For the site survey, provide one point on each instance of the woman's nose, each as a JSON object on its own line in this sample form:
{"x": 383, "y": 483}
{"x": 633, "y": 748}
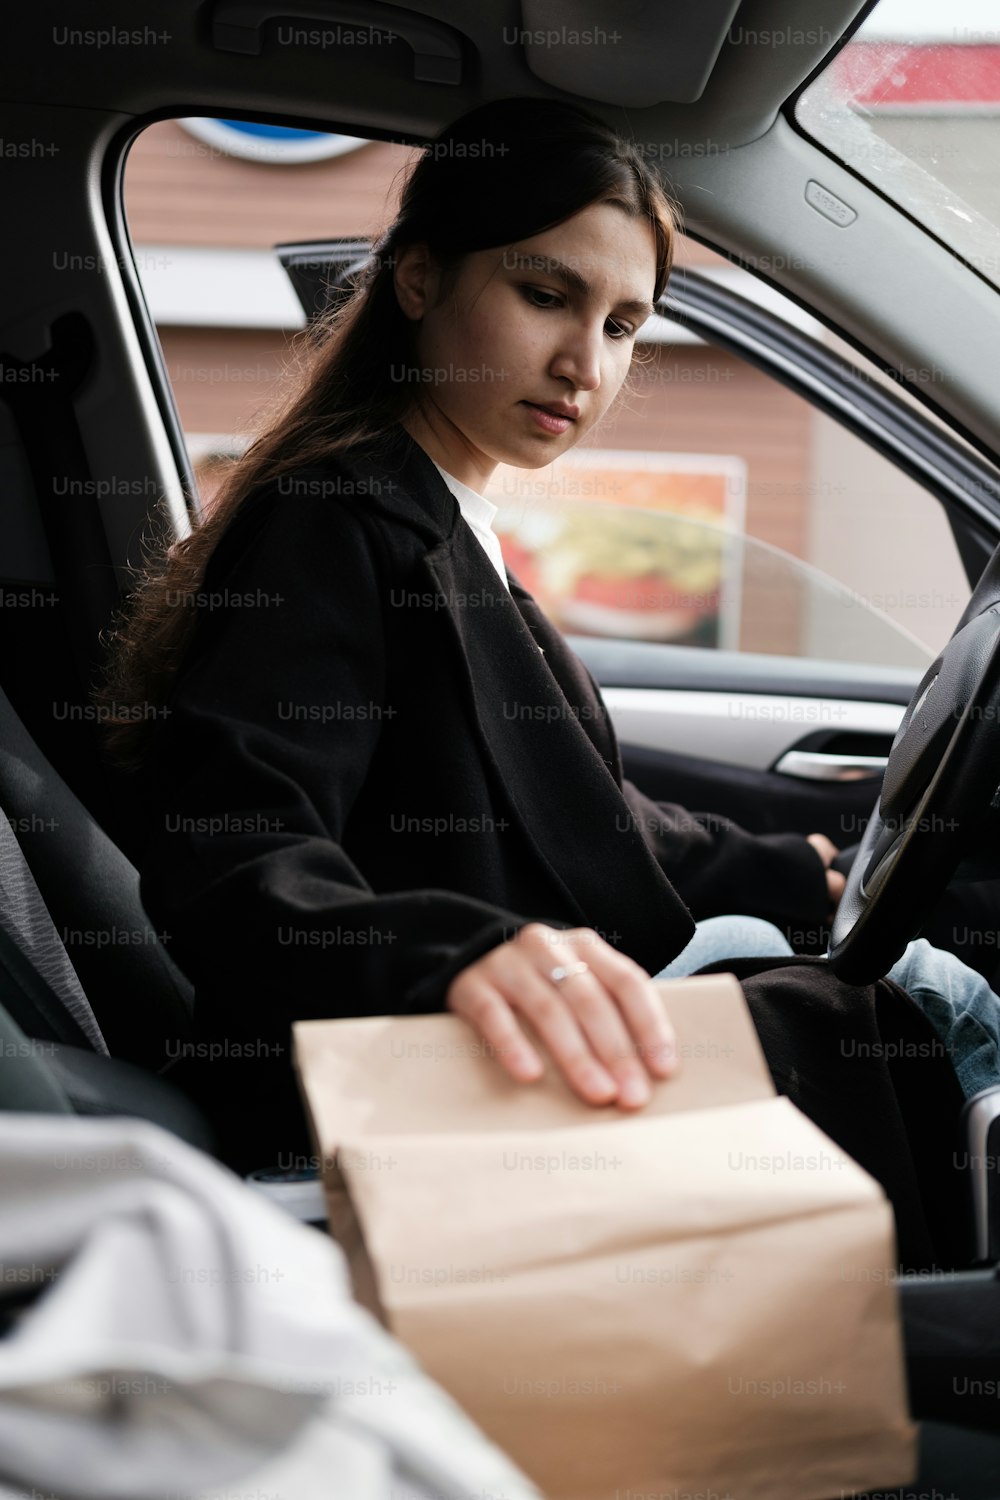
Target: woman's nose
{"x": 578, "y": 359}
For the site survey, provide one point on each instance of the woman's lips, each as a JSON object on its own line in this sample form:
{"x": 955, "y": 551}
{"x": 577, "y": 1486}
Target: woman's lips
{"x": 547, "y": 420}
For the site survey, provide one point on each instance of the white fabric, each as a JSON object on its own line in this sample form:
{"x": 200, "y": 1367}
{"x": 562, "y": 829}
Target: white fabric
{"x": 190, "y": 1339}
{"x": 479, "y": 513}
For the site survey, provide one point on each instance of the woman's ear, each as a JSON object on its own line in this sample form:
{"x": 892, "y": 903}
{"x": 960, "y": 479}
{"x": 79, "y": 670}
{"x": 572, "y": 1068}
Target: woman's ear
{"x": 412, "y": 276}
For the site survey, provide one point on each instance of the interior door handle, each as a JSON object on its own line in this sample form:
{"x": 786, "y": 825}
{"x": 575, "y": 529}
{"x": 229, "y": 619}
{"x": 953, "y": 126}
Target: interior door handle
{"x": 814, "y": 765}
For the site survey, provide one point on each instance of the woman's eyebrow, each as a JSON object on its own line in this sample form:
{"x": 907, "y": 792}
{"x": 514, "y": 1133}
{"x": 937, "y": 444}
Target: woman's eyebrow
{"x": 639, "y": 306}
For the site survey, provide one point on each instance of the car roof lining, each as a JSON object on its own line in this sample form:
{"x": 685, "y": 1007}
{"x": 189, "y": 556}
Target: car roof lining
{"x": 691, "y": 58}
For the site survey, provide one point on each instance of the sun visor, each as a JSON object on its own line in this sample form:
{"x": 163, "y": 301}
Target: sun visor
{"x": 637, "y": 54}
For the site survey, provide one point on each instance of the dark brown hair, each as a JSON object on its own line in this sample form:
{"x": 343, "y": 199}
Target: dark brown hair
{"x": 500, "y": 174}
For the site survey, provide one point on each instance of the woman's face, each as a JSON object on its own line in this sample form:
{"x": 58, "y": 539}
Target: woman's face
{"x": 515, "y": 335}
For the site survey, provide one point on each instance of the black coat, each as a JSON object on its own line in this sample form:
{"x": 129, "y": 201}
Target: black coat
{"x": 376, "y": 764}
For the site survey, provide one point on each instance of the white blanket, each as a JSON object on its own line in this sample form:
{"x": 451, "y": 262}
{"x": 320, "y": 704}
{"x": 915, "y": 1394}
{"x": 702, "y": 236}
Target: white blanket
{"x": 190, "y": 1341}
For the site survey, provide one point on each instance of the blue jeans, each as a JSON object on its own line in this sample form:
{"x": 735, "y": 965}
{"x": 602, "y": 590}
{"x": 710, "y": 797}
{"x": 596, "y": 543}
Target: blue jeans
{"x": 961, "y": 1007}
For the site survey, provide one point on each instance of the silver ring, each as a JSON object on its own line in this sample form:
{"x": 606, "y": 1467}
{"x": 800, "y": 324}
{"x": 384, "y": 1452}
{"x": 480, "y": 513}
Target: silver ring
{"x": 566, "y": 971}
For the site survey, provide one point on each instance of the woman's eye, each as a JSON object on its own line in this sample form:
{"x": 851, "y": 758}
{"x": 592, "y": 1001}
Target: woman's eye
{"x": 539, "y": 297}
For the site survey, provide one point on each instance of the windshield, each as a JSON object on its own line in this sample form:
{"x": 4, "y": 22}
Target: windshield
{"x": 911, "y": 105}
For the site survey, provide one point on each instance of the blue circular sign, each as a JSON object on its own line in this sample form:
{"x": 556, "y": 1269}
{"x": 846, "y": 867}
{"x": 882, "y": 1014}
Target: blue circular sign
{"x": 277, "y": 145}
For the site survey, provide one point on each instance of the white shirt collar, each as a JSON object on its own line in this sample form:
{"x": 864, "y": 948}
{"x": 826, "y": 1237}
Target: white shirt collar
{"x": 475, "y": 507}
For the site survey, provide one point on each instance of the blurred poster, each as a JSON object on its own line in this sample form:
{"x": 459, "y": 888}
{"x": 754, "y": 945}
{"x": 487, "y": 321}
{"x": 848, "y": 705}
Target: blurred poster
{"x": 643, "y": 546}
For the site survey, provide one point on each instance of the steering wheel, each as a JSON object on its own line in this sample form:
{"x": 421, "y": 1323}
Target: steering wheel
{"x": 940, "y": 797}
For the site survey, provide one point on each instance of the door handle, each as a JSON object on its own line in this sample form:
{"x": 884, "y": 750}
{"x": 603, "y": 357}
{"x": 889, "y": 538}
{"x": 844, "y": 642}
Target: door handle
{"x": 814, "y": 765}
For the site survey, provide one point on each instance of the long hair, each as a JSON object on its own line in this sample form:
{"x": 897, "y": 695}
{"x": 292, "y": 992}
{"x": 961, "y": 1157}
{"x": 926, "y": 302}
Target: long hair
{"x": 503, "y": 172}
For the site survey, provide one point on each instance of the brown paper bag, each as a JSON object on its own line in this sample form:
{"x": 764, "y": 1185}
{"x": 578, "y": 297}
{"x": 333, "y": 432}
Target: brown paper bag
{"x": 695, "y": 1299}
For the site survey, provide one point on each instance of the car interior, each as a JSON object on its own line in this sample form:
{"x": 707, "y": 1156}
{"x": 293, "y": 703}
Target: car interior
{"x": 91, "y": 442}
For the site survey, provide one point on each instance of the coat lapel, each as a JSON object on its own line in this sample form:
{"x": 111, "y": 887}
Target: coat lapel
{"x": 541, "y": 727}
{"x": 530, "y": 722}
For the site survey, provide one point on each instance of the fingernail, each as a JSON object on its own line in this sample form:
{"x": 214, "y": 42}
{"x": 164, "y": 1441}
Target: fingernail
{"x": 634, "y": 1091}
{"x": 526, "y": 1063}
{"x": 598, "y": 1078}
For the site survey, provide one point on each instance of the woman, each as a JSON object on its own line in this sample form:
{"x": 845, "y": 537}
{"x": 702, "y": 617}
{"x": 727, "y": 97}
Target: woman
{"x": 378, "y": 779}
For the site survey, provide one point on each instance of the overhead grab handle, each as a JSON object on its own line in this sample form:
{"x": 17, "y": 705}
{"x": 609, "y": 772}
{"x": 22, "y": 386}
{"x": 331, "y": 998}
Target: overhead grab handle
{"x": 237, "y": 26}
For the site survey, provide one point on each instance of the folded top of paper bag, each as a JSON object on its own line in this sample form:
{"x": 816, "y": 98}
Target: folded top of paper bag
{"x": 400, "y": 1073}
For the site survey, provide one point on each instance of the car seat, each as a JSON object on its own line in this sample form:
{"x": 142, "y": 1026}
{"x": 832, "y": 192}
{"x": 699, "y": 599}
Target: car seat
{"x": 92, "y": 1008}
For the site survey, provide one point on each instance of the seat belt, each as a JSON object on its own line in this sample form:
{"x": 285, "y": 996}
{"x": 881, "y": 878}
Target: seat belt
{"x": 37, "y": 980}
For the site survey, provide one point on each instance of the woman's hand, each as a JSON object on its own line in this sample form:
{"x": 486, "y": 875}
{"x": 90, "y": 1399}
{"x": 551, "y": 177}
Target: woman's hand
{"x": 835, "y": 882}
{"x": 604, "y": 1028}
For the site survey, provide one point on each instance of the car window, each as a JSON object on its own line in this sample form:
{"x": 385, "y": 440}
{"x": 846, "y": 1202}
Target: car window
{"x": 205, "y": 203}
{"x": 713, "y": 507}
{"x": 718, "y": 508}
{"x": 636, "y": 573}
